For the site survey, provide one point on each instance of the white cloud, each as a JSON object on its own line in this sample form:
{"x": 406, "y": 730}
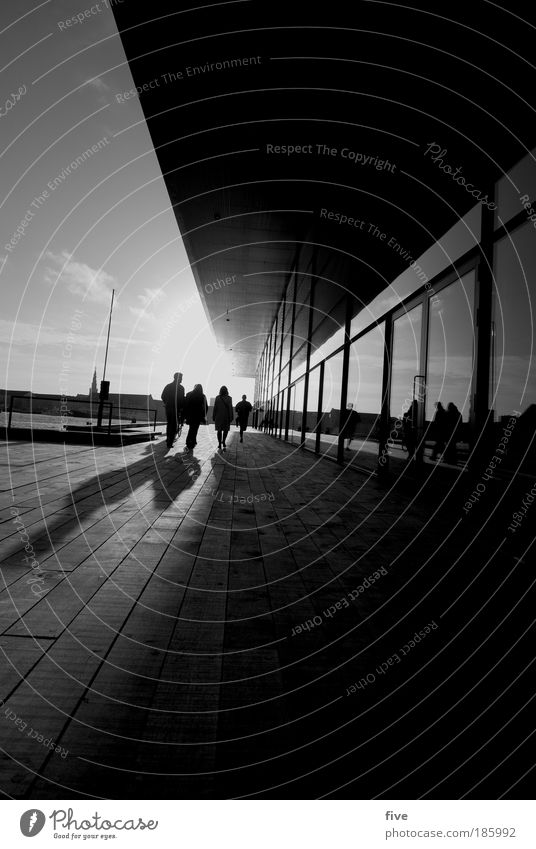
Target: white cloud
{"x": 149, "y": 298}
{"x": 22, "y": 333}
{"x": 79, "y": 278}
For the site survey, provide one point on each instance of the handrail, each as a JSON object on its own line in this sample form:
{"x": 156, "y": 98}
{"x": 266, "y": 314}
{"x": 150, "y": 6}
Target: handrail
{"x": 87, "y": 401}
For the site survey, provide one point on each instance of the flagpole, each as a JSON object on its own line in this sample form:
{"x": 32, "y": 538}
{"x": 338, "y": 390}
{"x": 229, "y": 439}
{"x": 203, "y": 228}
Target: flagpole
{"x": 103, "y": 394}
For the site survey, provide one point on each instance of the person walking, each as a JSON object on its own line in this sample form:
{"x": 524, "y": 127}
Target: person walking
{"x": 195, "y": 414}
{"x": 243, "y": 409}
{"x": 173, "y": 398}
{"x": 222, "y": 415}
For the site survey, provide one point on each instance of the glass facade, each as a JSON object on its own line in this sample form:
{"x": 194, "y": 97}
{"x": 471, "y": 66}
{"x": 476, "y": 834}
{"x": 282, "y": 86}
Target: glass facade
{"x": 414, "y": 353}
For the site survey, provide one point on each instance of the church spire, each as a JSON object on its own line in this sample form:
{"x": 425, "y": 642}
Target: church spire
{"x": 93, "y": 390}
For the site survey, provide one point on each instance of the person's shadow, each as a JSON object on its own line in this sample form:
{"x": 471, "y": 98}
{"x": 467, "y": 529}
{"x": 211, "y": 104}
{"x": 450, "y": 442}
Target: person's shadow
{"x": 89, "y": 513}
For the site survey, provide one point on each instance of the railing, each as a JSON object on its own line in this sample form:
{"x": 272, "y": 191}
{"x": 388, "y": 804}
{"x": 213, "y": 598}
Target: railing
{"x": 65, "y": 416}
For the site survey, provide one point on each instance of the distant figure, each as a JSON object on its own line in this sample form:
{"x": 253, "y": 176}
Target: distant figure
{"x": 195, "y": 413}
{"x": 453, "y": 421}
{"x": 439, "y": 430}
{"x": 410, "y": 420}
{"x": 173, "y": 398}
{"x": 243, "y": 408}
{"x": 222, "y": 415}
{"x": 349, "y": 424}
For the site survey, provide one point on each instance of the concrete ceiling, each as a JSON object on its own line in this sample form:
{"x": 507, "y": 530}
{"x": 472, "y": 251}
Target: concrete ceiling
{"x": 379, "y": 80}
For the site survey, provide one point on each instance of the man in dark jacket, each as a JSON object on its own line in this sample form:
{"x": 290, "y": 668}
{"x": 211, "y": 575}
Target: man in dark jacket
{"x": 243, "y": 409}
{"x": 173, "y": 398}
{"x": 195, "y": 413}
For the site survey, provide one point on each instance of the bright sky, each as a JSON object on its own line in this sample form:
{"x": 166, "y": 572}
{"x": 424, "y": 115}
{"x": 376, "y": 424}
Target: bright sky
{"x": 105, "y": 223}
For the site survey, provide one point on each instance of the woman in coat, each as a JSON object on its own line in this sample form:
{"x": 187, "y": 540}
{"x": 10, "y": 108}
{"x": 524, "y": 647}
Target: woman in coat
{"x": 222, "y": 415}
{"x": 195, "y": 413}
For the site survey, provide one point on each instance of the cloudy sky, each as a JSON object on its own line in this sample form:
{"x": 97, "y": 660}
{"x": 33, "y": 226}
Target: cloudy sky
{"x": 84, "y": 210}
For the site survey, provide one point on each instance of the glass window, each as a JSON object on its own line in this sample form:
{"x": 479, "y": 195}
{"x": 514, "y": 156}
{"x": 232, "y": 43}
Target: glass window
{"x": 406, "y": 360}
{"x": 284, "y": 377}
{"x": 513, "y": 361}
{"x": 301, "y": 321}
{"x": 286, "y": 348}
{"x": 312, "y": 408}
{"x": 451, "y": 347}
{"x": 289, "y": 306}
{"x": 331, "y": 405}
{"x": 282, "y": 413}
{"x": 364, "y": 397}
{"x": 296, "y": 411}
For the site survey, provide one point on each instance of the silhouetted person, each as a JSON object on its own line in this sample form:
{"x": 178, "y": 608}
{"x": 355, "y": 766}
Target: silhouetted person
{"x": 222, "y": 415}
{"x": 410, "y": 420}
{"x": 195, "y": 414}
{"x": 243, "y": 408}
{"x": 349, "y": 424}
{"x": 453, "y": 421}
{"x": 440, "y": 430}
{"x": 173, "y": 398}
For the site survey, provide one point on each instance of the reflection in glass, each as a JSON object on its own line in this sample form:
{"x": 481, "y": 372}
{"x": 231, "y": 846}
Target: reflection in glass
{"x": 451, "y": 347}
{"x": 331, "y": 404}
{"x": 282, "y": 414}
{"x": 406, "y": 360}
{"x": 296, "y": 411}
{"x": 365, "y": 375}
{"x": 312, "y": 408}
{"x": 514, "y": 362}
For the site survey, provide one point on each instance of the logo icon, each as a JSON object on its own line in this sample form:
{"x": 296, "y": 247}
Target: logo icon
{"x": 31, "y": 822}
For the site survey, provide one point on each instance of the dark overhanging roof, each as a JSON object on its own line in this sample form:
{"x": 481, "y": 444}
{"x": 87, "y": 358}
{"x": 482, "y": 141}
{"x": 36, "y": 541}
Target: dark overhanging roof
{"x": 376, "y": 79}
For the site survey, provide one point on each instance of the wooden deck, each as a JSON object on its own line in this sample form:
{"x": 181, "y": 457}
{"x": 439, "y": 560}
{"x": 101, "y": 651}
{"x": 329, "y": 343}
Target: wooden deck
{"x": 194, "y": 627}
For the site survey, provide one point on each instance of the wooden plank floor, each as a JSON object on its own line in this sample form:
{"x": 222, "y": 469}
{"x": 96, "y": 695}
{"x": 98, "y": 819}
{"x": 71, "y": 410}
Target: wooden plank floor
{"x": 164, "y": 654}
